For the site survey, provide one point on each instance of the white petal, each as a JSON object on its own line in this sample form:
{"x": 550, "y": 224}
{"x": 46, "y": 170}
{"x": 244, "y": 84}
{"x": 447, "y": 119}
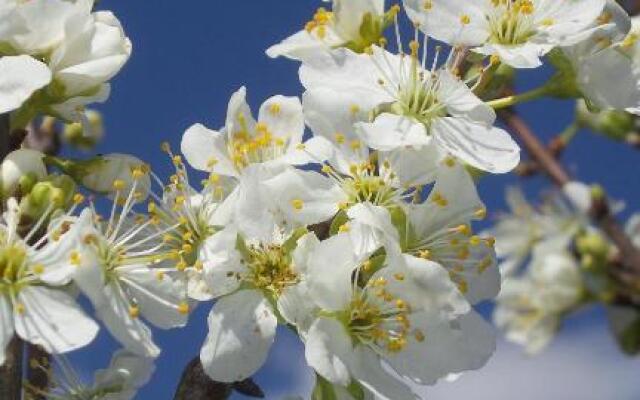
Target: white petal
{"x": 222, "y": 262}
{"x": 158, "y": 298}
{"x": 329, "y": 351}
{"x": 295, "y": 307}
{"x": 329, "y": 273}
{"x": 390, "y": 132}
{"x": 371, "y": 228}
{"x": 526, "y": 55}
{"x": 449, "y": 347}
{"x": 53, "y": 320}
{"x": 206, "y": 150}
{"x": 242, "y": 328}
{"x": 6, "y": 325}
{"x": 461, "y": 101}
{"x": 239, "y": 116}
{"x": 305, "y": 197}
{"x": 345, "y": 71}
{"x": 442, "y": 20}
{"x": 369, "y": 372}
{"x": 283, "y": 118}
{"x": 413, "y": 166}
{"x": 486, "y": 148}
{"x": 303, "y": 45}
{"x": 20, "y": 76}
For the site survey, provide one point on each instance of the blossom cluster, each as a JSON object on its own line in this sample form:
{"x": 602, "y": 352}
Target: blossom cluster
{"x": 344, "y": 215}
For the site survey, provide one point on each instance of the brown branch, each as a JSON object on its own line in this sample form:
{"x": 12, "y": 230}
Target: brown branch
{"x": 600, "y": 210}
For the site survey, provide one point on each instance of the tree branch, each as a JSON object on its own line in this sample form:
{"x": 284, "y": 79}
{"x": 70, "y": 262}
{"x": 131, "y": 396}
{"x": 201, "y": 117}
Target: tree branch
{"x": 600, "y": 209}
{"x": 196, "y": 385}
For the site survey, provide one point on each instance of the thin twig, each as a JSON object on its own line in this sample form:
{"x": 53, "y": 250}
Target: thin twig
{"x": 600, "y": 210}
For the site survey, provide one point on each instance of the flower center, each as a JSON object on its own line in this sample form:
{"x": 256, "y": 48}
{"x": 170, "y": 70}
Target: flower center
{"x": 380, "y": 320}
{"x": 366, "y": 185}
{"x": 270, "y": 268}
{"x": 247, "y": 148}
{"x": 511, "y": 21}
{"x": 12, "y": 264}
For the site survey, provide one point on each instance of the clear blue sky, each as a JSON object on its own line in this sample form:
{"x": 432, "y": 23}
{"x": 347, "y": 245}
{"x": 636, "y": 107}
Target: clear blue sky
{"x": 189, "y": 56}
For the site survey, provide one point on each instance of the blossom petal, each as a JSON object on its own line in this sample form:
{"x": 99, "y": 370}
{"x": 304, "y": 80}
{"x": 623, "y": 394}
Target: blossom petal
{"x": 305, "y": 197}
{"x": 443, "y": 20}
{"x": 20, "y": 76}
{"x": 158, "y": 296}
{"x": 222, "y": 262}
{"x": 206, "y": 150}
{"x": 283, "y": 118}
{"x": 329, "y": 273}
{"x": 490, "y": 149}
{"x": 242, "y": 328}
{"x": 369, "y": 372}
{"x": 52, "y": 319}
{"x": 328, "y": 350}
{"x": 390, "y": 132}
{"x": 6, "y": 325}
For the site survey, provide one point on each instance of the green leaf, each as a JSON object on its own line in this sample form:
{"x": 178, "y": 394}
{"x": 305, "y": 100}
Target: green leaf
{"x": 340, "y": 219}
{"x": 292, "y": 242}
{"x": 323, "y": 390}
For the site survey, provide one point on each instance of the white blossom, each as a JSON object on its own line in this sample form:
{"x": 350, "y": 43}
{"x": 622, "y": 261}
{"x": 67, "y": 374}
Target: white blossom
{"x": 520, "y": 32}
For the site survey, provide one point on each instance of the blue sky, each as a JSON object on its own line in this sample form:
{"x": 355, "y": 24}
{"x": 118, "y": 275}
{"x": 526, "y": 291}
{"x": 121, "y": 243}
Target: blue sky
{"x": 189, "y": 56}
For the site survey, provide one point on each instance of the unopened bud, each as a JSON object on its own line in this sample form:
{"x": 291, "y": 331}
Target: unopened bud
{"x": 614, "y": 124}
{"x": 18, "y": 164}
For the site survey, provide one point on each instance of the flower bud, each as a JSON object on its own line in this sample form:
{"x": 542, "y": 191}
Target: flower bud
{"x": 115, "y": 172}
{"x": 611, "y": 123}
{"x": 85, "y": 136}
{"x": 56, "y": 191}
{"x": 592, "y": 244}
{"x": 21, "y": 167}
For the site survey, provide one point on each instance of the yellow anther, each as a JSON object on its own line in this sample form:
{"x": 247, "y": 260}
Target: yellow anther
{"x": 177, "y": 160}
{"x": 394, "y": 9}
{"x": 379, "y": 282}
{"x": 166, "y": 147}
{"x": 137, "y": 173}
{"x": 463, "y": 286}
{"x": 119, "y": 184}
{"x": 399, "y": 276}
{"x": 214, "y": 178}
{"x": 134, "y": 311}
{"x": 183, "y": 308}
{"x": 74, "y": 258}
{"x": 485, "y": 264}
{"x": 198, "y": 265}
{"x": 344, "y": 228}
{"x": 19, "y": 307}
{"x": 274, "y": 108}
{"x": 464, "y": 253}
{"x": 494, "y": 59}
{"x": 78, "y": 198}
{"x": 179, "y": 200}
{"x": 297, "y": 204}
{"x": 326, "y": 169}
{"x": 355, "y": 145}
{"x": 187, "y": 248}
{"x": 160, "y": 275}
{"x": 300, "y": 146}
{"x": 261, "y": 127}
{"x": 367, "y": 265}
{"x": 419, "y": 335}
{"x": 474, "y": 240}
{"x": 480, "y": 213}
{"x": 382, "y": 42}
{"x": 463, "y": 229}
{"x": 491, "y": 241}
{"x": 38, "y": 269}
{"x": 450, "y": 162}
{"x": 427, "y": 5}
{"x": 425, "y": 254}
{"x": 354, "y": 109}
{"x": 465, "y": 19}
{"x": 548, "y": 22}
{"x": 340, "y": 138}
{"x": 181, "y": 265}
{"x": 414, "y": 45}
{"x": 212, "y": 162}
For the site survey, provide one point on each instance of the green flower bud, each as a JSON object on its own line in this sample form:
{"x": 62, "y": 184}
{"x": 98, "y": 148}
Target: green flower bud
{"x": 18, "y": 164}
{"x": 614, "y": 124}
{"x": 85, "y": 136}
